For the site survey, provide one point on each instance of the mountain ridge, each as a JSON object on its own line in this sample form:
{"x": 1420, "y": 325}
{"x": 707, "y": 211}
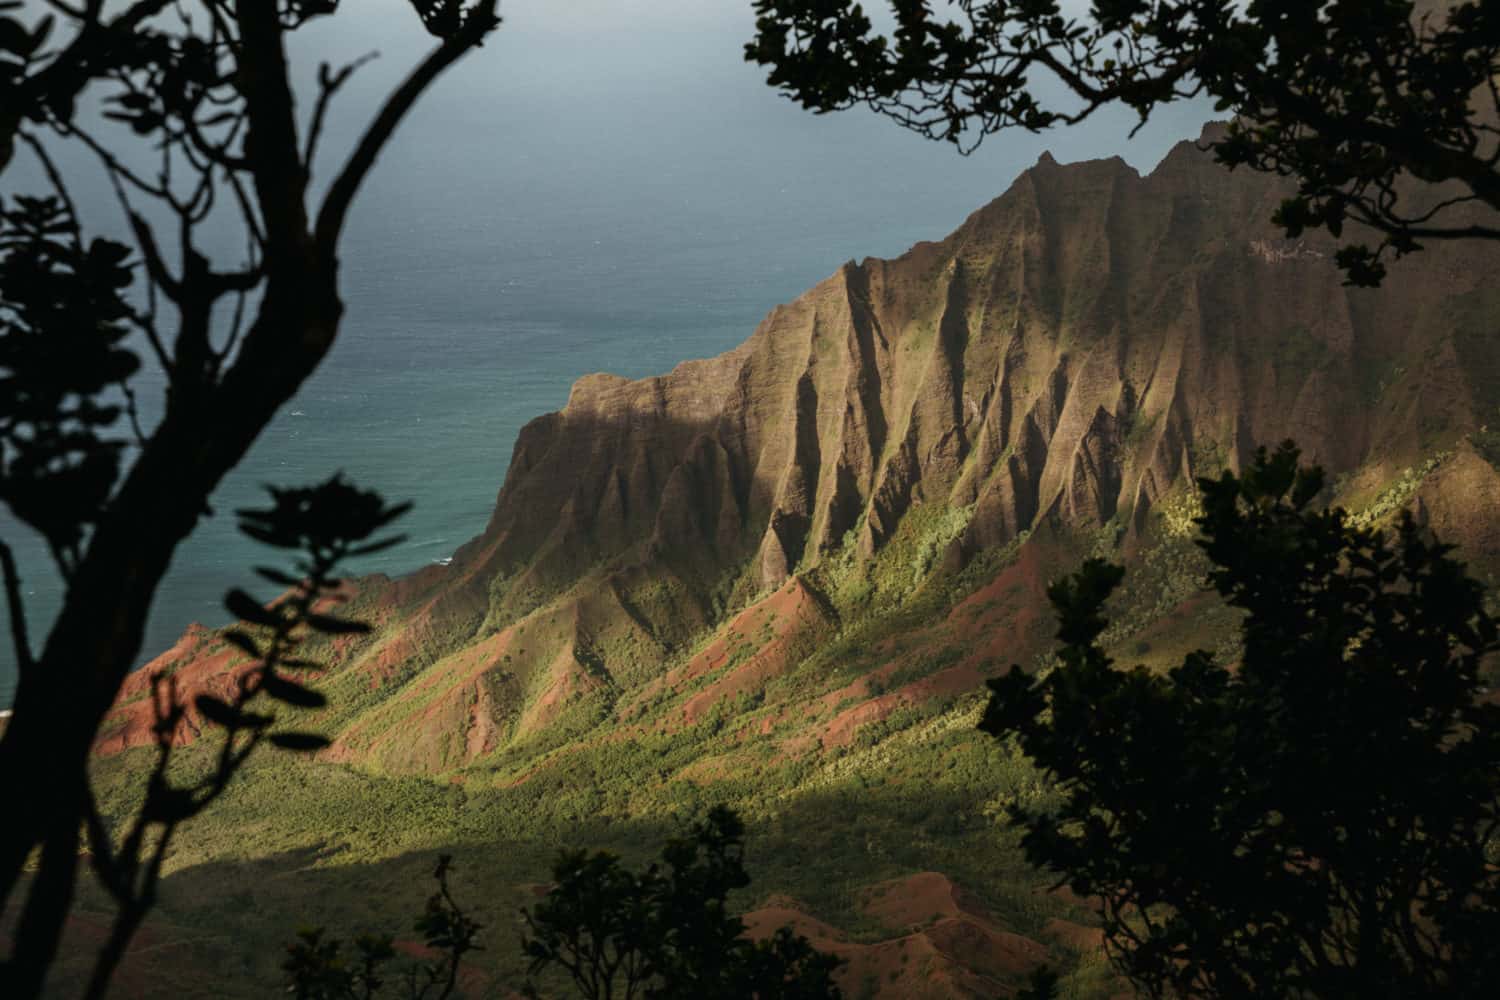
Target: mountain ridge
{"x": 1075, "y": 350}
{"x": 778, "y": 578}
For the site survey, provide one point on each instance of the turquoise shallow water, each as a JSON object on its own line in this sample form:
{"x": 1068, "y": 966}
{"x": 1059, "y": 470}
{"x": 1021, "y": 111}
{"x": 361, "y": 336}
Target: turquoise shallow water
{"x": 519, "y": 235}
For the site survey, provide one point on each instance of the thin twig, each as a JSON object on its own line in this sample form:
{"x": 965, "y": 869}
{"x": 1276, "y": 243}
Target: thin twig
{"x": 236, "y": 325}
{"x": 481, "y": 20}
{"x": 133, "y": 413}
{"x": 110, "y": 161}
{"x": 57, "y": 184}
{"x": 328, "y": 85}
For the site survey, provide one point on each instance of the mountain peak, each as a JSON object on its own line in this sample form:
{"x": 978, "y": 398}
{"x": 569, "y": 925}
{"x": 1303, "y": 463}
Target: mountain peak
{"x": 1064, "y": 363}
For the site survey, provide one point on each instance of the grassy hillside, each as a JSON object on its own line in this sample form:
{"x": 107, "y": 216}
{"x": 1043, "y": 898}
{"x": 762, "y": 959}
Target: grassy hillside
{"x": 853, "y": 756}
{"x": 778, "y": 579}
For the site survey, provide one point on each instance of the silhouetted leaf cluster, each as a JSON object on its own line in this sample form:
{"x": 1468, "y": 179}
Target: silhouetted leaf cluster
{"x": 62, "y": 321}
{"x": 1317, "y": 820}
{"x": 441, "y": 17}
{"x": 18, "y": 43}
{"x": 666, "y": 933}
{"x": 1346, "y": 96}
{"x": 327, "y": 524}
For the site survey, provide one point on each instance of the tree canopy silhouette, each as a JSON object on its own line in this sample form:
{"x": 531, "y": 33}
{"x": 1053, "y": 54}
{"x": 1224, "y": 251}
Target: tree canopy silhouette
{"x": 1346, "y": 96}
{"x": 666, "y": 933}
{"x": 205, "y": 127}
{"x": 1317, "y": 820}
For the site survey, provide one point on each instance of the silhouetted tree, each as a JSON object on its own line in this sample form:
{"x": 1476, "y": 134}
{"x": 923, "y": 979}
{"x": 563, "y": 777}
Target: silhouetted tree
{"x": 210, "y": 132}
{"x": 666, "y": 933}
{"x": 1317, "y": 820}
{"x": 316, "y": 969}
{"x": 1347, "y": 96}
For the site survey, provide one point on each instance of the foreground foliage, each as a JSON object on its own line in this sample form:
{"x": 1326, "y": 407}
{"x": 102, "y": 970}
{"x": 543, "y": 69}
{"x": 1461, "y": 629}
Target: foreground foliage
{"x": 188, "y": 112}
{"x": 1315, "y": 821}
{"x": 1348, "y": 96}
{"x": 317, "y": 968}
{"x": 666, "y": 933}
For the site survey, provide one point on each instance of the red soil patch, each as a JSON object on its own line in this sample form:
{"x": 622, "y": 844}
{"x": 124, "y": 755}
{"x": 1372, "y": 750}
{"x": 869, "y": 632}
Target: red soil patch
{"x": 957, "y": 924}
{"x": 330, "y": 602}
{"x": 183, "y": 651}
{"x": 953, "y": 950}
{"x": 860, "y": 687}
{"x": 856, "y": 690}
{"x": 917, "y": 900}
{"x": 132, "y": 722}
{"x": 569, "y": 679}
{"x": 1008, "y": 618}
{"x": 196, "y": 671}
{"x": 745, "y": 626}
{"x": 789, "y": 615}
{"x": 780, "y": 912}
{"x": 389, "y": 658}
{"x": 978, "y": 947}
{"x": 466, "y": 664}
{"x": 407, "y": 591}
{"x": 1001, "y": 622}
{"x": 461, "y": 708}
{"x": 482, "y": 735}
{"x": 417, "y": 602}
{"x": 955, "y": 680}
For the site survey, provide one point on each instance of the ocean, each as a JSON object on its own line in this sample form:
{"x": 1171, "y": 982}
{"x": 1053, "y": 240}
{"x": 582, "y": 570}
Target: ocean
{"x": 602, "y": 188}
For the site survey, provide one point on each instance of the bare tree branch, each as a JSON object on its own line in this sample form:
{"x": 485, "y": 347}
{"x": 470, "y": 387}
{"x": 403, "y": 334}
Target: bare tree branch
{"x": 481, "y": 20}
{"x": 329, "y": 83}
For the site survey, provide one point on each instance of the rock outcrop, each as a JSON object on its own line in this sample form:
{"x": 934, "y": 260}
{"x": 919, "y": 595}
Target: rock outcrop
{"x": 1071, "y": 351}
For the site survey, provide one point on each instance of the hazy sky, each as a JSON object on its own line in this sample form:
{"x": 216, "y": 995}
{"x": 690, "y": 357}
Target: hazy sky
{"x": 646, "y": 106}
{"x": 601, "y": 113}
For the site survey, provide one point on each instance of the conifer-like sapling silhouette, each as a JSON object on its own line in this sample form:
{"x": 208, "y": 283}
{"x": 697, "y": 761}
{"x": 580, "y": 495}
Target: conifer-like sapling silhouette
{"x": 666, "y": 933}
{"x": 1316, "y": 820}
{"x": 317, "y": 969}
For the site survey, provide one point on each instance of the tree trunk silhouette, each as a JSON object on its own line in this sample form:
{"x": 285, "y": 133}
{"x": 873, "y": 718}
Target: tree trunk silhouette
{"x": 211, "y": 420}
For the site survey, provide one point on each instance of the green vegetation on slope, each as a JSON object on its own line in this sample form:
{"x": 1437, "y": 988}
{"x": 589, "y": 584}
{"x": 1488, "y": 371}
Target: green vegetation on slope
{"x": 913, "y": 787}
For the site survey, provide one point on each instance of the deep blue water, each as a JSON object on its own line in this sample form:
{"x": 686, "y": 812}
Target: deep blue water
{"x": 604, "y": 188}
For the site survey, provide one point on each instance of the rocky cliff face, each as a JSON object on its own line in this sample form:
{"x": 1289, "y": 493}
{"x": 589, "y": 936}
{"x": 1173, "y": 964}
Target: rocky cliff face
{"x": 1073, "y": 353}
{"x": 1072, "y": 350}
{"x": 778, "y": 578}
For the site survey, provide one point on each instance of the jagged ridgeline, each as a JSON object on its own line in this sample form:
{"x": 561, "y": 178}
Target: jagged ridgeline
{"x": 915, "y": 446}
